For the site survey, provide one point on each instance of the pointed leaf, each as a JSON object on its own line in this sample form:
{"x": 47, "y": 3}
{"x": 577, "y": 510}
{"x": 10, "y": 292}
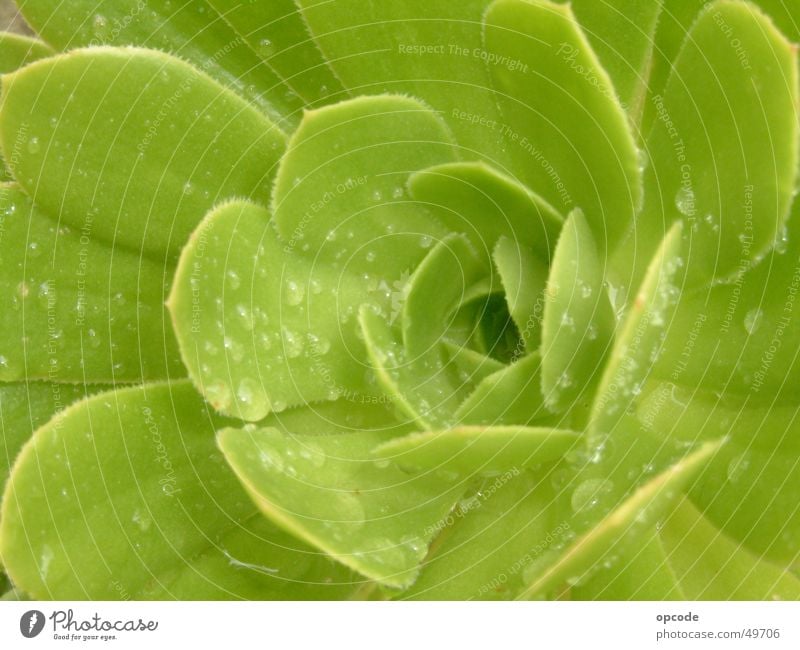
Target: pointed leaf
{"x": 572, "y": 136}
{"x": 491, "y": 540}
{"x": 331, "y": 492}
{"x": 277, "y": 33}
{"x": 435, "y": 290}
{"x": 711, "y": 566}
{"x": 423, "y": 48}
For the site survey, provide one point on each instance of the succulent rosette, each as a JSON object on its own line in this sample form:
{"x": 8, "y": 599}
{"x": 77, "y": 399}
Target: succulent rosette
{"x": 399, "y": 299}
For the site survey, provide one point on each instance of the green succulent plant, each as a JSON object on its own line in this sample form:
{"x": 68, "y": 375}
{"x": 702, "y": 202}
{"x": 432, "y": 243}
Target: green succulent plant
{"x": 400, "y": 299}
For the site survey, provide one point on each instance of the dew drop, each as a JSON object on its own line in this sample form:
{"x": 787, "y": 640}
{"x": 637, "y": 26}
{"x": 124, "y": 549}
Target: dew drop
{"x": 752, "y": 320}
{"x": 294, "y": 293}
{"x": 685, "y": 201}
{"x": 34, "y": 145}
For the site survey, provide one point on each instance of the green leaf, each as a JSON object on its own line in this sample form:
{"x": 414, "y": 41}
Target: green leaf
{"x": 191, "y": 29}
{"x": 79, "y": 309}
{"x": 277, "y": 33}
{"x": 636, "y": 515}
{"x": 426, "y": 389}
{"x": 524, "y": 278}
{"x": 435, "y": 290}
{"x": 637, "y": 569}
{"x": 570, "y": 134}
{"x": 741, "y": 337}
{"x": 484, "y": 204}
{"x": 710, "y": 566}
{"x": 622, "y": 32}
{"x": 750, "y": 494}
{"x": 333, "y": 493}
{"x": 24, "y": 407}
{"x": 490, "y": 541}
{"x": 511, "y": 396}
{"x": 471, "y": 365}
{"x": 431, "y": 49}
{"x": 730, "y": 179}
{"x": 578, "y": 324}
{"x": 125, "y": 495}
{"x": 339, "y": 194}
{"x": 260, "y": 327}
{"x": 17, "y": 50}
{"x": 133, "y": 144}
{"x": 469, "y": 450}
{"x": 640, "y": 335}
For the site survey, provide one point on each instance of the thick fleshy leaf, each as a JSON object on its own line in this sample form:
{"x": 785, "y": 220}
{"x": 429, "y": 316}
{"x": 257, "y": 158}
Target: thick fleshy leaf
{"x": 191, "y": 29}
{"x": 427, "y": 388}
{"x": 277, "y": 33}
{"x": 730, "y": 179}
{"x": 750, "y": 494}
{"x": 472, "y": 366}
{"x": 126, "y": 494}
{"x": 742, "y": 337}
{"x": 640, "y": 335}
{"x": 435, "y": 290}
{"x": 491, "y": 539}
{"x": 15, "y": 52}
{"x": 262, "y": 327}
{"x": 622, "y": 33}
{"x": 710, "y": 566}
{"x": 24, "y": 407}
{"x": 133, "y": 144}
{"x": 511, "y": 396}
{"x": 524, "y": 278}
{"x": 431, "y": 49}
{"x": 332, "y": 492}
{"x": 636, "y": 515}
{"x": 571, "y": 138}
{"x": 578, "y": 324}
{"x": 469, "y": 450}
{"x": 484, "y": 204}
{"x": 78, "y": 310}
{"x": 637, "y": 569}
{"x": 339, "y": 193}
{"x": 695, "y": 414}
